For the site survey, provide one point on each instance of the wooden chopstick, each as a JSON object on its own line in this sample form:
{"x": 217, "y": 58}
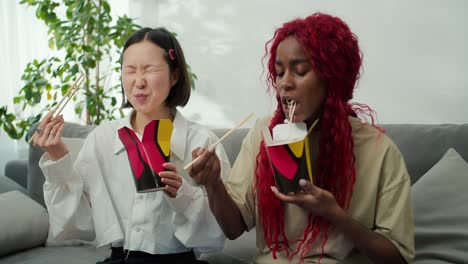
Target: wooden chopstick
{"x": 312, "y": 126}
{"x": 69, "y": 95}
{"x": 66, "y": 98}
{"x": 291, "y": 113}
{"x": 219, "y": 140}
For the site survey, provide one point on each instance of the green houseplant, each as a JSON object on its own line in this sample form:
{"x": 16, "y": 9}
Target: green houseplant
{"x": 89, "y": 42}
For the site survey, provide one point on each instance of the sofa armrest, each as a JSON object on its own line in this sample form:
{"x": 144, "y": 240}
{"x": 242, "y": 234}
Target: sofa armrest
{"x": 17, "y": 170}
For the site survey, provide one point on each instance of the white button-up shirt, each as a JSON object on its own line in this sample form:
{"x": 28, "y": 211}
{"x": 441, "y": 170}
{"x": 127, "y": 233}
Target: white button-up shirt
{"x": 94, "y": 198}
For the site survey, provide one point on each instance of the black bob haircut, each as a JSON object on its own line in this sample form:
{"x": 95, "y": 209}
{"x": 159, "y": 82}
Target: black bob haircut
{"x": 180, "y": 92}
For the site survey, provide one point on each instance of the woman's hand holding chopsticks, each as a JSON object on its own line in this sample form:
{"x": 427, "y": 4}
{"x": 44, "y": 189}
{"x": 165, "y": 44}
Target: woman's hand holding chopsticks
{"x": 61, "y": 105}
{"x": 48, "y": 136}
{"x": 207, "y": 168}
{"x": 49, "y": 132}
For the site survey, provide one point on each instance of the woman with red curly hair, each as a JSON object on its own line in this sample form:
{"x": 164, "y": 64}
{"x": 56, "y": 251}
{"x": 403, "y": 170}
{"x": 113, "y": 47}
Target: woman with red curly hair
{"x": 358, "y": 208}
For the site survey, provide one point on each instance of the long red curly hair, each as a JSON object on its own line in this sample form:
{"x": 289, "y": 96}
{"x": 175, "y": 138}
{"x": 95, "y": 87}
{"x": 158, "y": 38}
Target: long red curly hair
{"x": 334, "y": 54}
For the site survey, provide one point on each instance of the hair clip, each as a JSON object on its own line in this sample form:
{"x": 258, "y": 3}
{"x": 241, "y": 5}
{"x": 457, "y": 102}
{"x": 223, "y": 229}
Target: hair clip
{"x": 172, "y": 56}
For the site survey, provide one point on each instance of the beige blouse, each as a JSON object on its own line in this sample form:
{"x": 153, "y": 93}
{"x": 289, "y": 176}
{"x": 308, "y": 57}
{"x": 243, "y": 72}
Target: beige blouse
{"x": 380, "y": 201}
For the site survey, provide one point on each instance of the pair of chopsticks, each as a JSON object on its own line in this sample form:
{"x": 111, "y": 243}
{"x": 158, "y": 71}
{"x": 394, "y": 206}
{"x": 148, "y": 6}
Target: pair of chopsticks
{"x": 66, "y": 98}
{"x": 219, "y": 140}
{"x": 292, "y": 108}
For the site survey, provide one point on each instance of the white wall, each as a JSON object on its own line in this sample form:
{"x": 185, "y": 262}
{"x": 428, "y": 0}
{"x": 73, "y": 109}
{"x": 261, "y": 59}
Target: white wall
{"x": 415, "y": 55}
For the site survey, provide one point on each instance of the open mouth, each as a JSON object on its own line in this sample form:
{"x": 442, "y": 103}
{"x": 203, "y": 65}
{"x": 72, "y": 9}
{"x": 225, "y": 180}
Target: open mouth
{"x": 289, "y": 102}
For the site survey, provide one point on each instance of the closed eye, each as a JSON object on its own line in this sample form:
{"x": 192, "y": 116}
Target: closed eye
{"x": 301, "y": 73}
{"x": 152, "y": 68}
{"x": 279, "y": 71}
{"x": 301, "y": 69}
{"x": 129, "y": 69}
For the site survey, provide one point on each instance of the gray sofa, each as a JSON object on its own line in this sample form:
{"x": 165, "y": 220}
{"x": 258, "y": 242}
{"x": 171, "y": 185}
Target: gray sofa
{"x": 421, "y": 145}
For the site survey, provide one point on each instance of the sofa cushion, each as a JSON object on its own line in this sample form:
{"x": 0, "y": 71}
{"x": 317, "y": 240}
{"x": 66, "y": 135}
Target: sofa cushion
{"x": 7, "y": 184}
{"x": 24, "y": 223}
{"x": 17, "y": 170}
{"x": 423, "y": 145}
{"x": 440, "y": 203}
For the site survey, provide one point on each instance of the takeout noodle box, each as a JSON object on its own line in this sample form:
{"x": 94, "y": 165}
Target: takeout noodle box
{"x": 147, "y": 156}
{"x": 289, "y": 155}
